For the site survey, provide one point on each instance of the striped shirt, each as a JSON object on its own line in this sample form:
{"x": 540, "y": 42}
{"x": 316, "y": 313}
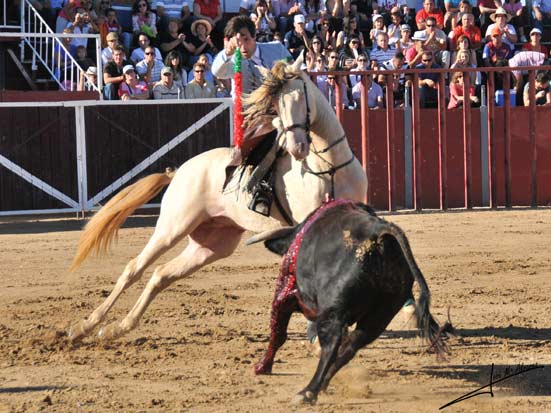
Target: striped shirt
{"x": 381, "y": 56}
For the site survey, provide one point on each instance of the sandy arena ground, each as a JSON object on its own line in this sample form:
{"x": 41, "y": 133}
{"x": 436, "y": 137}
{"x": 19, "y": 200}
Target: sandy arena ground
{"x": 196, "y": 345}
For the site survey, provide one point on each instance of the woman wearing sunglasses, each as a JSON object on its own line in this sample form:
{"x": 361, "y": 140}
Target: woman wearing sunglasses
{"x": 143, "y": 19}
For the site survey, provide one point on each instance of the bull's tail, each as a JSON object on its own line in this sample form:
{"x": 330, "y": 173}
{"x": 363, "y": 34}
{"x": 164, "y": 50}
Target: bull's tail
{"x": 427, "y": 325}
{"x": 104, "y": 225}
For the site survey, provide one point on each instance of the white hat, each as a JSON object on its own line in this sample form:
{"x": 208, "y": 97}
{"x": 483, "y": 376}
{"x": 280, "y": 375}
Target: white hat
{"x": 419, "y": 35}
{"x": 376, "y": 16}
{"x": 92, "y": 70}
{"x": 299, "y": 18}
{"x": 127, "y": 69}
{"x": 535, "y": 30}
{"x": 405, "y": 27}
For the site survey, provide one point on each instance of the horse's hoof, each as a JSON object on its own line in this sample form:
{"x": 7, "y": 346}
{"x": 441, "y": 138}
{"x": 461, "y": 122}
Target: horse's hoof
{"x": 306, "y": 397}
{"x": 262, "y": 368}
{"x": 78, "y": 331}
{"x": 110, "y": 332}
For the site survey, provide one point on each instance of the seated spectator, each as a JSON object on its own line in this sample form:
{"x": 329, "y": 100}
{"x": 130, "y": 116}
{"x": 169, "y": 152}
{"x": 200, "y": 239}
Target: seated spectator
{"x": 333, "y": 61}
{"x": 486, "y": 8}
{"x": 143, "y": 19}
{"x": 467, "y": 29}
{"x": 180, "y": 75}
{"x": 82, "y": 58}
{"x": 132, "y": 88}
{"x": 144, "y": 42}
{"x": 166, "y": 88}
{"x": 464, "y": 7}
{"x": 327, "y": 35}
{"x": 80, "y": 25}
{"x": 362, "y": 65}
{"x": 408, "y": 17}
{"x": 429, "y": 10}
{"x": 329, "y": 90}
{"x": 204, "y": 60}
{"x": 150, "y": 68}
{"x": 541, "y": 13}
{"x": 296, "y": 40}
{"x": 88, "y": 79}
{"x": 314, "y": 10}
{"x": 112, "y": 43}
{"x": 437, "y": 42}
{"x": 200, "y": 30}
{"x": 316, "y": 45}
{"x": 404, "y": 43}
{"x": 515, "y": 8}
{"x": 374, "y": 94}
{"x": 394, "y": 29}
{"x": 264, "y": 22}
{"x": 199, "y": 87}
{"x": 320, "y": 66}
{"x": 452, "y": 11}
{"x": 211, "y": 10}
{"x": 186, "y": 20}
{"x": 456, "y": 92}
{"x": 414, "y": 54}
{"x": 464, "y": 44}
{"x": 167, "y": 9}
{"x": 173, "y": 40}
{"x": 363, "y": 10}
{"x": 534, "y": 45}
{"x": 378, "y": 27}
{"x": 428, "y": 82}
{"x": 508, "y": 32}
{"x": 350, "y": 27}
{"x": 111, "y": 24}
{"x": 348, "y": 56}
{"x": 384, "y": 8}
{"x": 542, "y": 89}
{"x": 398, "y": 62}
{"x": 113, "y": 73}
{"x": 462, "y": 61}
{"x": 496, "y": 54}
{"x": 284, "y": 12}
{"x": 66, "y": 15}
{"x": 382, "y": 52}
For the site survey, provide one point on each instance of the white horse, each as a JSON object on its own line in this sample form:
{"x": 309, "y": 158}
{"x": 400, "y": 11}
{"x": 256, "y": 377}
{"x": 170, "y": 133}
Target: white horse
{"x": 196, "y": 206}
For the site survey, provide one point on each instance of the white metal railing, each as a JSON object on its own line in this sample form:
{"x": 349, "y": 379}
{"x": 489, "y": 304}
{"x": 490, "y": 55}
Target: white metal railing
{"x": 4, "y": 17}
{"x": 48, "y": 48}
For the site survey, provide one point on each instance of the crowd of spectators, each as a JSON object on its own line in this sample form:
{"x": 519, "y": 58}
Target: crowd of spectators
{"x": 168, "y": 51}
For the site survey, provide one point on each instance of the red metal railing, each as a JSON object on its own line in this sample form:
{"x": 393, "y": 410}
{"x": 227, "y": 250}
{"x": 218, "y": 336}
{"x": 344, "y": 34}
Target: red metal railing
{"x": 442, "y": 129}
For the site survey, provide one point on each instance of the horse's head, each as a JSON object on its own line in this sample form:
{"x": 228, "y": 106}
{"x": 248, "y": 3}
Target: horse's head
{"x": 285, "y": 91}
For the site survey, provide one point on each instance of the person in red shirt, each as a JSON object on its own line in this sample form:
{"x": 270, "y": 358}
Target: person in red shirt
{"x": 429, "y": 10}
{"x": 467, "y": 29}
{"x": 534, "y": 45}
{"x": 211, "y": 10}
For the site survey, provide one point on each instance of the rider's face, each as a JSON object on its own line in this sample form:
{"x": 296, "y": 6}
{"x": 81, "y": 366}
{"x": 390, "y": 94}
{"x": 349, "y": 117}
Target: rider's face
{"x": 246, "y": 43}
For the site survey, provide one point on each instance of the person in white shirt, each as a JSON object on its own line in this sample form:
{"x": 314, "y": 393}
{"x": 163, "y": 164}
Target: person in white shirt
{"x": 138, "y": 54}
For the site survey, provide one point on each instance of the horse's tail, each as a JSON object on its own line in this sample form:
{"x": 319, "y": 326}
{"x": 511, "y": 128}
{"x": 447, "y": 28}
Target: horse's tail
{"x": 426, "y": 324}
{"x": 104, "y": 225}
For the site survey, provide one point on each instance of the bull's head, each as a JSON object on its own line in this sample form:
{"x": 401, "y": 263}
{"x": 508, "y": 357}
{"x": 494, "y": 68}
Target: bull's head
{"x": 278, "y": 240}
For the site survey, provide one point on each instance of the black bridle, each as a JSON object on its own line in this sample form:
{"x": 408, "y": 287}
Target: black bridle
{"x": 332, "y": 170}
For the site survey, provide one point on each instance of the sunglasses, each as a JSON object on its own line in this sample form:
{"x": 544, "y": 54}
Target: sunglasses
{"x": 427, "y": 60}
{"x": 142, "y": 5}
{"x": 326, "y": 24}
{"x": 362, "y": 60}
{"x": 319, "y": 61}
{"x": 429, "y": 25}
{"x": 167, "y": 74}
{"x": 353, "y": 42}
{"x": 332, "y": 57}
{"x": 149, "y": 53}
{"x": 199, "y": 71}
{"x": 330, "y": 78}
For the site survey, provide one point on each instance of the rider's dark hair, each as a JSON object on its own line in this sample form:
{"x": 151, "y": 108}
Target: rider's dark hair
{"x": 237, "y": 23}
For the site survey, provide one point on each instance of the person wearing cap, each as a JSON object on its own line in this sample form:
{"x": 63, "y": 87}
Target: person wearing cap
{"x": 241, "y": 32}
{"x": 200, "y": 38}
{"x": 501, "y": 20}
{"x": 541, "y": 13}
{"x": 150, "y": 68}
{"x": 89, "y": 79}
{"x": 112, "y": 42}
{"x": 199, "y": 87}
{"x": 405, "y": 41}
{"x": 437, "y": 42}
{"x": 113, "y": 73}
{"x": 469, "y": 29}
{"x": 138, "y": 54}
{"x": 429, "y": 10}
{"x": 413, "y": 54}
{"x": 534, "y": 45}
{"x": 394, "y": 28}
{"x": 378, "y": 27}
{"x": 132, "y": 88}
{"x": 496, "y": 54}
{"x": 296, "y": 40}
{"x": 166, "y": 88}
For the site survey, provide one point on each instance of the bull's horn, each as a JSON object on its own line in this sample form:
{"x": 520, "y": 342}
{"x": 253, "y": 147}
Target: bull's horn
{"x": 297, "y": 64}
{"x": 274, "y": 233}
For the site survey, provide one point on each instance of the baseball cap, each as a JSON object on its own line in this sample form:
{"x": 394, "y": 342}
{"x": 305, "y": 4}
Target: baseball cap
{"x": 92, "y": 70}
{"x": 376, "y": 16}
{"x": 112, "y": 36}
{"x": 127, "y": 69}
{"x": 405, "y": 27}
{"x": 419, "y": 35}
{"x": 167, "y": 69}
{"x": 299, "y": 18}
{"x": 496, "y": 31}
{"x": 535, "y": 30}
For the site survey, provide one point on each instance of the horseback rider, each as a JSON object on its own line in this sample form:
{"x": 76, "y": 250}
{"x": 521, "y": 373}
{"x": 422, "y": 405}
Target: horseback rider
{"x": 240, "y": 33}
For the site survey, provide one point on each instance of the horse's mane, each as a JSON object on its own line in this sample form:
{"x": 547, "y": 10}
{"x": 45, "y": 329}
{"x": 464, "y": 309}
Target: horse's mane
{"x": 260, "y": 101}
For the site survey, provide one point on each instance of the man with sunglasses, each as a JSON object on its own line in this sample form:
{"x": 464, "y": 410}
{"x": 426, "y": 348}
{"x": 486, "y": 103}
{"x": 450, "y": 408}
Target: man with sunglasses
{"x": 199, "y": 87}
{"x": 437, "y": 42}
{"x": 428, "y": 82}
{"x": 150, "y": 68}
{"x": 429, "y": 10}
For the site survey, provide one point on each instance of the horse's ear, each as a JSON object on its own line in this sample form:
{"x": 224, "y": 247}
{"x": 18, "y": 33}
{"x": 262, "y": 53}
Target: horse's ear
{"x": 278, "y": 124}
{"x": 297, "y": 64}
{"x": 263, "y": 71}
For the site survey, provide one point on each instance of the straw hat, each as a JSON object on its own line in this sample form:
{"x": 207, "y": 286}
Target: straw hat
{"x": 500, "y": 12}
{"x": 206, "y": 23}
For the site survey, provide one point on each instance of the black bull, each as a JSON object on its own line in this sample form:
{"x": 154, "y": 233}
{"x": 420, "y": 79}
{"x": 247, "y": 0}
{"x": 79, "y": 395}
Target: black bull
{"x": 351, "y": 267}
